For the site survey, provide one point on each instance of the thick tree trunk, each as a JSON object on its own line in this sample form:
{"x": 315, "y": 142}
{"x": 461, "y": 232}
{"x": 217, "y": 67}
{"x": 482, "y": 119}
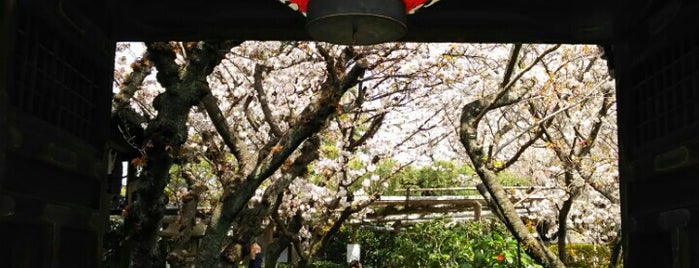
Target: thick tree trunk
{"x": 274, "y": 250}
{"x": 563, "y": 228}
{"x": 284, "y": 241}
{"x": 145, "y": 214}
{"x": 573, "y": 193}
{"x": 531, "y": 245}
{"x": 470, "y": 118}
{"x": 164, "y": 136}
{"x": 311, "y": 120}
{"x": 186, "y": 222}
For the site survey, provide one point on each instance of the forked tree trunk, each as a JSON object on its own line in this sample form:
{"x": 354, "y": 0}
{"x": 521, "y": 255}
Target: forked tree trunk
{"x": 311, "y": 120}
{"x": 471, "y": 115}
{"x": 163, "y": 138}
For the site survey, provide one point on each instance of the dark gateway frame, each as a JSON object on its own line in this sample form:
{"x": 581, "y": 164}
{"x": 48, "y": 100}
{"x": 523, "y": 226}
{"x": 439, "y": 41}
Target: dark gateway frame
{"x": 55, "y": 91}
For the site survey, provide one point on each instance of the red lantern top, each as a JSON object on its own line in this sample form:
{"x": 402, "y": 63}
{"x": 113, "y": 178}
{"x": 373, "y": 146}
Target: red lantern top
{"x": 410, "y": 5}
{"x": 300, "y": 5}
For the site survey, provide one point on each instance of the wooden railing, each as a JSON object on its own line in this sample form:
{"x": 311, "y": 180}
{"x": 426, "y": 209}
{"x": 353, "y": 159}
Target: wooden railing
{"x": 414, "y": 207}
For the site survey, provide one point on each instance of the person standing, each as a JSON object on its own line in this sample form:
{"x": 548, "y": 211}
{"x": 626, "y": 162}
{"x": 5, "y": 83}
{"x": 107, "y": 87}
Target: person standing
{"x": 355, "y": 264}
{"x": 255, "y": 256}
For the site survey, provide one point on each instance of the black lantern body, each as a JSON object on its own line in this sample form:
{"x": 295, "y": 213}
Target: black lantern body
{"x": 356, "y": 22}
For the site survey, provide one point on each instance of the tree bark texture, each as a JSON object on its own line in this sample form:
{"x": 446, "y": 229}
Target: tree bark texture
{"x": 249, "y": 224}
{"x": 574, "y": 192}
{"x": 471, "y": 115}
{"x": 285, "y": 239}
{"x": 572, "y": 167}
{"x": 311, "y": 120}
{"x": 186, "y": 221}
{"x": 512, "y": 220}
{"x": 163, "y": 137}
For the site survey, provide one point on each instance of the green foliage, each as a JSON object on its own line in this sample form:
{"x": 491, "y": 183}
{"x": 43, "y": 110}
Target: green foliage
{"x": 473, "y": 244}
{"x": 335, "y": 250}
{"x": 327, "y": 264}
{"x": 376, "y": 246}
{"x": 355, "y": 164}
{"x": 384, "y": 167}
{"x": 512, "y": 179}
{"x": 436, "y": 244}
{"x": 329, "y": 151}
{"x": 440, "y": 174}
{"x": 585, "y": 255}
{"x": 446, "y": 174}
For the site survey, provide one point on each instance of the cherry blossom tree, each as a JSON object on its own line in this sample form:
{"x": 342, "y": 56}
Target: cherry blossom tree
{"x": 290, "y": 140}
{"x": 581, "y": 146}
{"x": 165, "y": 132}
{"x": 294, "y": 204}
{"x": 496, "y": 131}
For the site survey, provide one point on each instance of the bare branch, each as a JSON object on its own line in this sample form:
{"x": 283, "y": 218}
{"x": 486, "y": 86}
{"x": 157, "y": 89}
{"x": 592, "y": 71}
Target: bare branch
{"x": 248, "y": 115}
{"x": 329, "y": 63}
{"x": 234, "y": 144}
{"x": 514, "y": 55}
{"x": 141, "y": 68}
{"x": 607, "y": 102}
{"x": 496, "y": 138}
{"x": 262, "y": 97}
{"x": 520, "y": 151}
{"x": 539, "y": 123}
{"x": 373, "y": 128}
{"x": 504, "y": 90}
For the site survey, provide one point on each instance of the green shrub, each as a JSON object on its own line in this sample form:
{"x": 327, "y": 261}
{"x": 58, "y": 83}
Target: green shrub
{"x": 466, "y": 245}
{"x": 512, "y": 179}
{"x": 436, "y": 244}
{"x": 327, "y": 264}
{"x": 585, "y": 255}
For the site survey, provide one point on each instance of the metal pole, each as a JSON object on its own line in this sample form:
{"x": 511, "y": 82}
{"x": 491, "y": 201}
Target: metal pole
{"x": 519, "y": 255}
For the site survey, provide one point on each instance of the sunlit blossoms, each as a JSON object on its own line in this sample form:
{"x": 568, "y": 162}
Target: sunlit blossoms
{"x": 404, "y": 110}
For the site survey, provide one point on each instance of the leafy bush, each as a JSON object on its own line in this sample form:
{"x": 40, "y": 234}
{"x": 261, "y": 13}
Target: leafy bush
{"x": 375, "y": 246}
{"x": 512, "y": 179}
{"x": 434, "y": 244}
{"x": 473, "y": 244}
{"x": 440, "y": 174}
{"x": 585, "y": 255}
{"x": 327, "y": 264}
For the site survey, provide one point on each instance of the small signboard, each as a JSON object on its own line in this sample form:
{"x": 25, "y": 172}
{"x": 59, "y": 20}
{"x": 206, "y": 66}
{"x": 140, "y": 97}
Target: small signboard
{"x": 353, "y": 252}
{"x": 284, "y": 257}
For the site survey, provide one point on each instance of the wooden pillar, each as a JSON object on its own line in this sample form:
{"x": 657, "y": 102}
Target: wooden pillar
{"x": 477, "y": 209}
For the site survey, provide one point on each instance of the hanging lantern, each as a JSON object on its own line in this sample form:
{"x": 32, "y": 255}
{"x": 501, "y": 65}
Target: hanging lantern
{"x": 357, "y": 22}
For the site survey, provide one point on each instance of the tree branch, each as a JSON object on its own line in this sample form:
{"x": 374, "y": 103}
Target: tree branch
{"x": 262, "y": 97}
{"x": 496, "y": 139}
{"x": 520, "y": 151}
{"x": 607, "y": 101}
{"x": 329, "y": 63}
{"x": 539, "y": 123}
{"x": 219, "y": 120}
{"x": 164, "y": 137}
{"x": 373, "y": 129}
{"x": 311, "y": 120}
{"x": 141, "y": 69}
{"x": 514, "y": 55}
{"x": 469, "y": 138}
{"x": 505, "y": 89}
